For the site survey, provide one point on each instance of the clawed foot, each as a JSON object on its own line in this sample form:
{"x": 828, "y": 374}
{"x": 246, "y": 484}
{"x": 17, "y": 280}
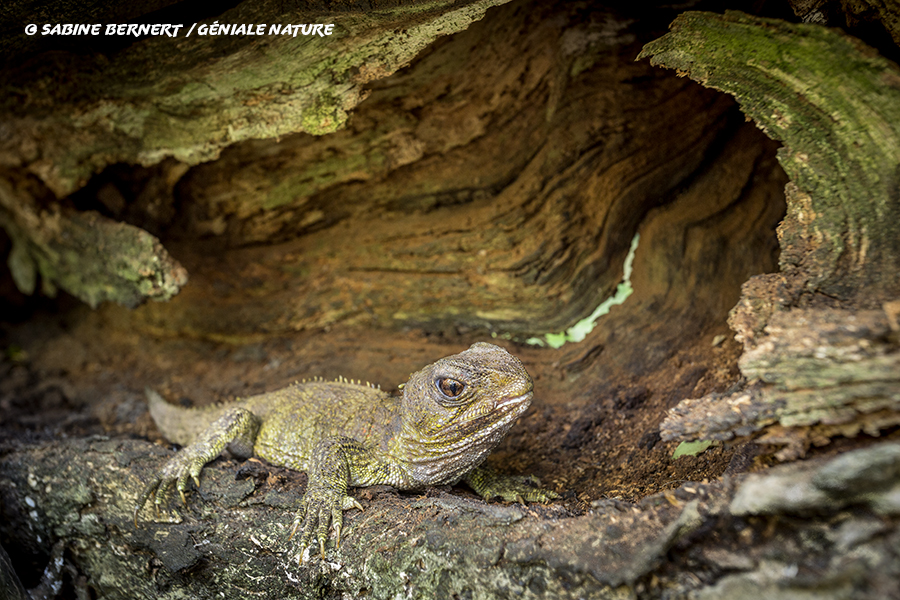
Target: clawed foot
{"x": 176, "y": 472}
{"x": 517, "y": 488}
{"x": 512, "y": 488}
{"x": 319, "y": 508}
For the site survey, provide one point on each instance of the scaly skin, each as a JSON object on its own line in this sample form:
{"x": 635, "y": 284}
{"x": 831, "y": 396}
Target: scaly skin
{"x": 449, "y": 417}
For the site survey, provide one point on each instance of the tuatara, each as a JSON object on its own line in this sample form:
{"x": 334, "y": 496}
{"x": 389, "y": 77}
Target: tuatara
{"x": 449, "y": 417}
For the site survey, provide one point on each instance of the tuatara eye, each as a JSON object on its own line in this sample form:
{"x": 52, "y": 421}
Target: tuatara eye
{"x": 451, "y": 388}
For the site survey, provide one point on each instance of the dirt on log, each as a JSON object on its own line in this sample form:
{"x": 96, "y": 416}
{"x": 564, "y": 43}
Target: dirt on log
{"x": 429, "y": 176}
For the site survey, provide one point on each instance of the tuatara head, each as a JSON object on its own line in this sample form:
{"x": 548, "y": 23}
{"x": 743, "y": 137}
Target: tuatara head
{"x": 456, "y": 410}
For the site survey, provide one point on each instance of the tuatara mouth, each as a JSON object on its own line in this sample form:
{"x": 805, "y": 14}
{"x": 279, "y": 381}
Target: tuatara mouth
{"x": 514, "y": 401}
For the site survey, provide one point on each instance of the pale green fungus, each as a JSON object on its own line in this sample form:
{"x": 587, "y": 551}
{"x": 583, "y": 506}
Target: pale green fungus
{"x": 582, "y": 328}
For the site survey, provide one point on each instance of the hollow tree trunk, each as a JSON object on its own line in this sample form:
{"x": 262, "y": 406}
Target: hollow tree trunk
{"x": 433, "y": 175}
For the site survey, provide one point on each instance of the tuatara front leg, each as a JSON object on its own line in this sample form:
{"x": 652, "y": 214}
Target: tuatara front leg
{"x": 236, "y": 428}
{"x": 336, "y": 463}
{"x": 488, "y": 484}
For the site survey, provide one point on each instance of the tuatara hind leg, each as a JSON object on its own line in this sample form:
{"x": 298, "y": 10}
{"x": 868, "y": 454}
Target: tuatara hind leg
{"x": 236, "y": 428}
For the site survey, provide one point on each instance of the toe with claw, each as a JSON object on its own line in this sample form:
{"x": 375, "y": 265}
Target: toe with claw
{"x": 320, "y": 508}
{"x": 184, "y": 466}
{"x": 512, "y": 488}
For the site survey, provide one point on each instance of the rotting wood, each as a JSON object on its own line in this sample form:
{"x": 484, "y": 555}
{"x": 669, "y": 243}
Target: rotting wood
{"x": 820, "y": 373}
{"x": 460, "y": 217}
{"x": 814, "y": 372}
{"x": 835, "y": 105}
{"x": 89, "y": 256}
{"x": 740, "y": 534}
{"x": 189, "y": 97}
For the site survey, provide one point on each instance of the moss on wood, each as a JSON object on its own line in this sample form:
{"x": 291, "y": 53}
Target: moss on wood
{"x": 80, "y": 494}
{"x": 189, "y": 97}
{"x": 91, "y": 257}
{"x": 835, "y": 104}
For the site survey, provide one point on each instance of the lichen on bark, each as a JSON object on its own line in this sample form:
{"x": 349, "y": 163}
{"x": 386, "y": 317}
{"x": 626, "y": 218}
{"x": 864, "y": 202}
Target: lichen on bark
{"x": 91, "y": 257}
{"x": 739, "y": 533}
{"x": 835, "y": 105}
{"x": 814, "y": 372}
{"x": 190, "y": 97}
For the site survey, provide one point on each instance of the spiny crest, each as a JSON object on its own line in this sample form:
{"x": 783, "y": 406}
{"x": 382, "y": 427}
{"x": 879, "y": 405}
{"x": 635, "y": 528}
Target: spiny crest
{"x": 340, "y": 379}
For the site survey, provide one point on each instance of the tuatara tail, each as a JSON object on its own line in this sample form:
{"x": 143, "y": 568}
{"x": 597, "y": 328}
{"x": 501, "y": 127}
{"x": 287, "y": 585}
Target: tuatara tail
{"x": 178, "y": 424}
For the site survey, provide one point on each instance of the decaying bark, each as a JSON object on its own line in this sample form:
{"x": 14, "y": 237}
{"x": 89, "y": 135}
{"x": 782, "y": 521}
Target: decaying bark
{"x": 89, "y": 256}
{"x": 461, "y": 216}
{"x": 820, "y": 373}
{"x": 745, "y": 538}
{"x": 835, "y": 104}
{"x": 189, "y": 97}
{"x": 183, "y": 97}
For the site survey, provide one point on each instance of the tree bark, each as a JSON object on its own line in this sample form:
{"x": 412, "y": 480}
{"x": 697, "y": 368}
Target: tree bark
{"x": 742, "y": 537}
{"x": 362, "y": 205}
{"x": 824, "y": 367}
